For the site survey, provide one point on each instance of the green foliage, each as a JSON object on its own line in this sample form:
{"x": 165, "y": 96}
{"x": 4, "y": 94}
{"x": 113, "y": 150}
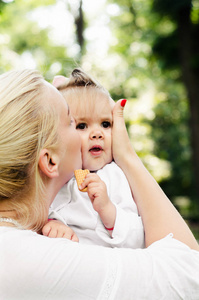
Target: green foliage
{"x": 170, "y": 132}
{"x": 2, "y": 4}
{"x": 152, "y": 25}
{"x": 167, "y": 50}
{"x": 24, "y": 38}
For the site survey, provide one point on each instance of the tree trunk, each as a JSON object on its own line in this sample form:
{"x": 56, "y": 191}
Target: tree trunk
{"x": 191, "y": 81}
{"x": 79, "y": 22}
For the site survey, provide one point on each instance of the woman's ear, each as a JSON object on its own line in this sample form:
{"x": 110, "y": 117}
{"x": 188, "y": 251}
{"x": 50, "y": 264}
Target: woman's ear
{"x": 48, "y": 163}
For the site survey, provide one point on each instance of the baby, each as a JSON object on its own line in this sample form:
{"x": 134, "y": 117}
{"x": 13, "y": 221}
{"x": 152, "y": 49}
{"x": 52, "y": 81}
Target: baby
{"x": 106, "y": 214}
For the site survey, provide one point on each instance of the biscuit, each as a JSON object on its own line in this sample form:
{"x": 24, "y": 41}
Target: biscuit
{"x": 80, "y": 175}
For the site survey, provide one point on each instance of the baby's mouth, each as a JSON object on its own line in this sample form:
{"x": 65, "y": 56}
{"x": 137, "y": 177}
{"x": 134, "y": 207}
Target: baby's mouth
{"x": 96, "y": 150}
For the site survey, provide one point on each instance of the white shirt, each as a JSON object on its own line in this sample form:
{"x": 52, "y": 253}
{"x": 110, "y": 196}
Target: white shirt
{"x": 35, "y": 267}
{"x": 75, "y": 209}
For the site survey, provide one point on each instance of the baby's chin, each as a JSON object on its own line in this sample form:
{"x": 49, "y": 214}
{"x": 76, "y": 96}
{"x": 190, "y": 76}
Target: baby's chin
{"x": 93, "y": 169}
{"x": 96, "y": 167}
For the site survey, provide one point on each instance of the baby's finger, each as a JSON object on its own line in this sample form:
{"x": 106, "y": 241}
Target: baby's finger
{"x": 75, "y": 238}
{"x": 46, "y": 230}
{"x": 90, "y": 178}
{"x": 70, "y": 235}
{"x": 60, "y": 233}
{"x": 93, "y": 177}
{"x": 67, "y": 235}
{"x": 52, "y": 233}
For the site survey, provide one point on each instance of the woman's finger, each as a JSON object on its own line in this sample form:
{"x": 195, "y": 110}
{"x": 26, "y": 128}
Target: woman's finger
{"x": 120, "y": 139}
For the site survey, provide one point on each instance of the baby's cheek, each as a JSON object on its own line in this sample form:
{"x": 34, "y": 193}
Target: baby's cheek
{"x": 85, "y": 161}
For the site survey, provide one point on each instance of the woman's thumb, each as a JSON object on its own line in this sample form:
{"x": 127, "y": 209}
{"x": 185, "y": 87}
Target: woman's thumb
{"x": 118, "y": 109}
{"x": 119, "y": 126}
{"x": 120, "y": 139}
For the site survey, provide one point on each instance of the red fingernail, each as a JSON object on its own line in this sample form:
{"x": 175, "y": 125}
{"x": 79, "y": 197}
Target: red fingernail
{"x": 123, "y": 102}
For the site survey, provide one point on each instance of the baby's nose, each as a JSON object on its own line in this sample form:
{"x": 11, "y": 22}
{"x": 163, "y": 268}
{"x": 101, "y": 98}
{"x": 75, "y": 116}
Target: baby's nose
{"x": 97, "y": 134}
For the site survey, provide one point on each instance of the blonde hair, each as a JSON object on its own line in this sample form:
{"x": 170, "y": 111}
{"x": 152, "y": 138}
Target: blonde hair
{"x": 26, "y": 127}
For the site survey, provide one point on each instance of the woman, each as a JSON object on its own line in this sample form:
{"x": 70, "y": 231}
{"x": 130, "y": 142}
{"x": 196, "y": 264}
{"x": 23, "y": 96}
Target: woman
{"x": 39, "y": 150}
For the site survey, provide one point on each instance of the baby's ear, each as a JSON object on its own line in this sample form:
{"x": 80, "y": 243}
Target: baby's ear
{"x": 59, "y": 80}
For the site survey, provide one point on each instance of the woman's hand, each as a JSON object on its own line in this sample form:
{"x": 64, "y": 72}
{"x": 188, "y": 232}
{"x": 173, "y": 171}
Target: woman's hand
{"x": 122, "y": 148}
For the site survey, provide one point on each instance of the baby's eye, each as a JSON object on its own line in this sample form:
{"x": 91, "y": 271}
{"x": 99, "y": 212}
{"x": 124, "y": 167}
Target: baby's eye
{"x": 106, "y": 124}
{"x": 81, "y": 126}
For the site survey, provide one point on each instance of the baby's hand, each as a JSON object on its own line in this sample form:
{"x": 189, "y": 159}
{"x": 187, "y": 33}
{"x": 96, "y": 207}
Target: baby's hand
{"x": 97, "y": 192}
{"x": 56, "y": 229}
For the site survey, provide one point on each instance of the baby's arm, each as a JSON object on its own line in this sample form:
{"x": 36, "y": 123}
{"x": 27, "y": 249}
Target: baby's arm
{"x": 97, "y": 193}
{"x": 57, "y": 229}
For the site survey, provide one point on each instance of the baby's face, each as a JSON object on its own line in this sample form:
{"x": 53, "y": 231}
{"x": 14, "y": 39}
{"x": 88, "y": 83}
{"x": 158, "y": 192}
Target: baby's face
{"x": 94, "y": 124}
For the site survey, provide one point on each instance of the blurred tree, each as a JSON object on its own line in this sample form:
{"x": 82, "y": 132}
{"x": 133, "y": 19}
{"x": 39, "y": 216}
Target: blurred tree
{"x": 131, "y": 27}
{"x": 76, "y": 10}
{"x": 79, "y": 22}
{"x": 23, "y": 39}
{"x": 179, "y": 50}
{"x": 151, "y": 41}
{"x": 171, "y": 134}
{"x": 2, "y": 4}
